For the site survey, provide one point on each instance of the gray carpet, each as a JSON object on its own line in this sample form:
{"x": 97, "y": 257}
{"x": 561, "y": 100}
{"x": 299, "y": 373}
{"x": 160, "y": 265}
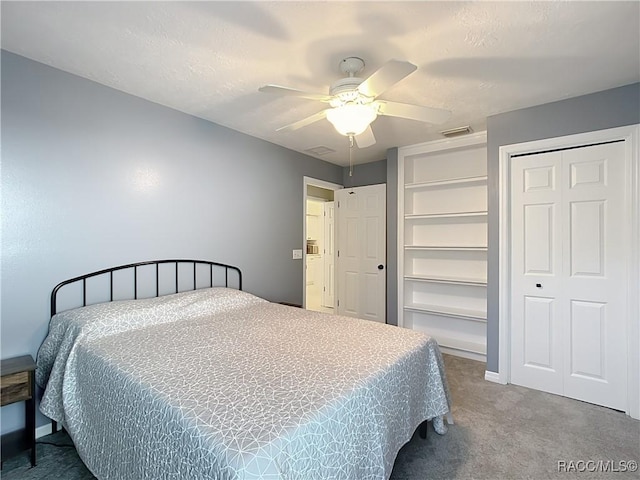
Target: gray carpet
{"x": 500, "y": 432}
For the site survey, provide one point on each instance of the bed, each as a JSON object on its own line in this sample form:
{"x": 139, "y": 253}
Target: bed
{"x": 211, "y": 382}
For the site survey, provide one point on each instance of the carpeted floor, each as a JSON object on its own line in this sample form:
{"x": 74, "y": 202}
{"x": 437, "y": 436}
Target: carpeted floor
{"x": 500, "y": 432}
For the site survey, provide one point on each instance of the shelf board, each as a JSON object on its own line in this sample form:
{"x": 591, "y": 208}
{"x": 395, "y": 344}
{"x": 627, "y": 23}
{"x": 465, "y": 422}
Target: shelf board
{"x": 446, "y": 248}
{"x": 446, "y": 311}
{"x": 474, "y": 282}
{"x": 448, "y": 182}
{"x": 419, "y": 216}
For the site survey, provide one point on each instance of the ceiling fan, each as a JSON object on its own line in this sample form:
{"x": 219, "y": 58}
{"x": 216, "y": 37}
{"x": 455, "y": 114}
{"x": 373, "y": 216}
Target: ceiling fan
{"x": 354, "y": 102}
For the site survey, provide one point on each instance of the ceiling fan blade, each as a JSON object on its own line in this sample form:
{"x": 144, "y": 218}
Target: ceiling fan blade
{"x": 391, "y": 72}
{"x": 366, "y": 138}
{"x": 305, "y": 121}
{"x": 413, "y": 112}
{"x": 292, "y": 92}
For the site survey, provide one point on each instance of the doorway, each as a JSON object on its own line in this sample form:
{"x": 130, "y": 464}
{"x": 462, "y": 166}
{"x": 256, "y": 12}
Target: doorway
{"x": 318, "y": 252}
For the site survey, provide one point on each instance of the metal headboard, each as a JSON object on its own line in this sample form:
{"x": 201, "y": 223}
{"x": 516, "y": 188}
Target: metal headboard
{"x": 157, "y": 263}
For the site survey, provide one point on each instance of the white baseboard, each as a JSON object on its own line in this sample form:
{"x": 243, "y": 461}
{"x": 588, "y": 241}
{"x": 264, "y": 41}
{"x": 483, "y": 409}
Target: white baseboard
{"x": 493, "y": 377}
{"x": 43, "y": 430}
{"x": 479, "y": 357}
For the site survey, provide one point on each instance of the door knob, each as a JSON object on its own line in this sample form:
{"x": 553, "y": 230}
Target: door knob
{"x": 380, "y": 267}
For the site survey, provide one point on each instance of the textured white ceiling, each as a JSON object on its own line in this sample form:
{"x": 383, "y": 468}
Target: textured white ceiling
{"x": 208, "y": 59}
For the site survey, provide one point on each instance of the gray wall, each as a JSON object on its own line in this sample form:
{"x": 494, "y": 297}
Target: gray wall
{"x": 608, "y": 109}
{"x": 365, "y": 174}
{"x": 93, "y": 177}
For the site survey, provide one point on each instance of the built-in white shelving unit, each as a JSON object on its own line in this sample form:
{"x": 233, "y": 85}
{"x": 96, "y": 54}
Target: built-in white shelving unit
{"x": 442, "y": 229}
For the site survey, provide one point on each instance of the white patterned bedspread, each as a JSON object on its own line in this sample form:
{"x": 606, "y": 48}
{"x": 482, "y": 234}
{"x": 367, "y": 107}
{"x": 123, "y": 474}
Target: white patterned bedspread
{"x": 220, "y": 384}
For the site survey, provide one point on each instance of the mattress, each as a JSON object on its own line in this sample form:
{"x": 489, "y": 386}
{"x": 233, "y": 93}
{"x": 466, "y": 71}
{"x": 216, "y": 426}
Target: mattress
{"x": 220, "y": 384}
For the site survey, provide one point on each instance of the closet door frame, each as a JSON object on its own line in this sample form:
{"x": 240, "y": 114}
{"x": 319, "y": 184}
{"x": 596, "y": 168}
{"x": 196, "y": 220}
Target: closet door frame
{"x": 631, "y": 136}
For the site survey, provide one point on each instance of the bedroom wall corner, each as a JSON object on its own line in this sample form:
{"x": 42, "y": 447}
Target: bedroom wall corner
{"x": 392, "y": 236}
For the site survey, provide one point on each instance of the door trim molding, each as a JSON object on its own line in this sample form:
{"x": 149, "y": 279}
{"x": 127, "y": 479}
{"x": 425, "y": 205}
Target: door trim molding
{"x": 306, "y": 181}
{"x": 631, "y": 135}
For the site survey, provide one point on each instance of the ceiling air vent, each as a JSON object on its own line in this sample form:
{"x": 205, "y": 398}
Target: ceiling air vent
{"x": 454, "y": 132}
{"x": 319, "y": 150}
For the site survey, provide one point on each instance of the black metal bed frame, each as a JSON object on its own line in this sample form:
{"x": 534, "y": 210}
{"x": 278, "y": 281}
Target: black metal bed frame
{"x": 134, "y": 266}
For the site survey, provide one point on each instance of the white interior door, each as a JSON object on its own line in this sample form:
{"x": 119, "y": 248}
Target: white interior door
{"x": 328, "y": 294}
{"x": 569, "y": 274}
{"x": 361, "y": 259}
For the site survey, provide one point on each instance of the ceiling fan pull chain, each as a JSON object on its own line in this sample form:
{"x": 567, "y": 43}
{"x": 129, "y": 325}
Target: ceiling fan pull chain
{"x": 351, "y": 155}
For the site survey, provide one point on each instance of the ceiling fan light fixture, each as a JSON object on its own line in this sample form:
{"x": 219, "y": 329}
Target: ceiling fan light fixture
{"x": 352, "y": 119}
{"x": 353, "y": 101}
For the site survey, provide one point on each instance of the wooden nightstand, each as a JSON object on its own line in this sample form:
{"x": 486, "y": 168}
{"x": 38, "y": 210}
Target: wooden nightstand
{"x": 18, "y": 385}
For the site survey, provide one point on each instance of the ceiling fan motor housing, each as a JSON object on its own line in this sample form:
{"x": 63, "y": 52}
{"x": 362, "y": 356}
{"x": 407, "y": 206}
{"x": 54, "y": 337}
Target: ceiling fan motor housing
{"x": 345, "y": 91}
{"x": 348, "y": 84}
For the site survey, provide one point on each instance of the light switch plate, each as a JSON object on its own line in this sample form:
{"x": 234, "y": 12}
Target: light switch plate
{"x": 297, "y": 254}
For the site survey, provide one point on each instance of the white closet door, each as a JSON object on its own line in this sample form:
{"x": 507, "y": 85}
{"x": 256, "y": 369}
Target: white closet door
{"x": 569, "y": 274}
{"x": 536, "y": 348}
{"x": 595, "y": 275}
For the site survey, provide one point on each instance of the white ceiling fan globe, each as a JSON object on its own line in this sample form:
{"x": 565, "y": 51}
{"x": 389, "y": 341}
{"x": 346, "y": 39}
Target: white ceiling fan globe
{"x": 352, "y": 119}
